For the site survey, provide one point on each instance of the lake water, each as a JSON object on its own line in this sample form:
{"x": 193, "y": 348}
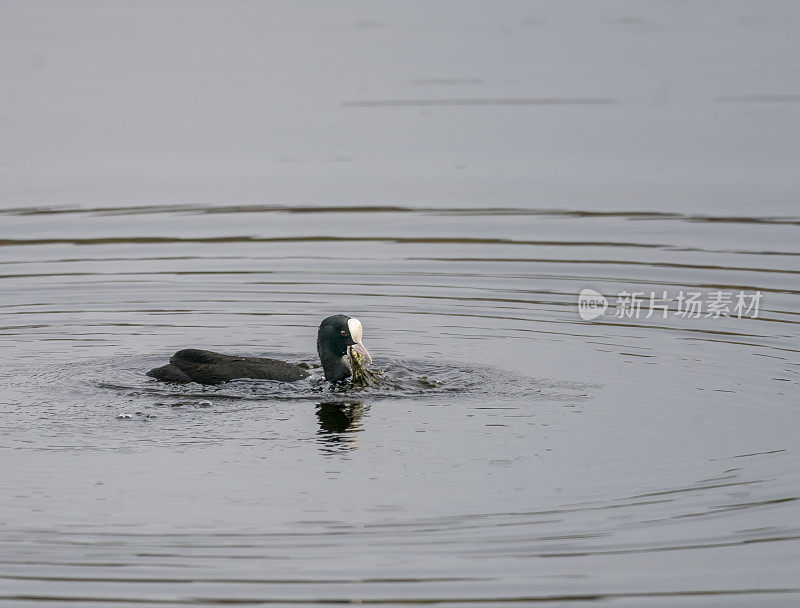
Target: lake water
{"x": 225, "y": 175}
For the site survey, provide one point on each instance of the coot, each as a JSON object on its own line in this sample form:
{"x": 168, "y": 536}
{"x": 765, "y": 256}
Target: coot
{"x": 335, "y": 336}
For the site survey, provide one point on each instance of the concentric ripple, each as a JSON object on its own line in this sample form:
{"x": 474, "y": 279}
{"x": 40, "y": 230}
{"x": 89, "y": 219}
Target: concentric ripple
{"x": 513, "y": 453}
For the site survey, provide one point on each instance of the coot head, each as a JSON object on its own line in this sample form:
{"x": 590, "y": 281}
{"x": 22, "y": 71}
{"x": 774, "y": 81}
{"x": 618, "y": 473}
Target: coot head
{"x": 336, "y": 335}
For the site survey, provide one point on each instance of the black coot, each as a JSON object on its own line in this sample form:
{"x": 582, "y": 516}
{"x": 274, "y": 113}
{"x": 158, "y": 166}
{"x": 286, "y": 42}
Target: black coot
{"x": 336, "y": 335}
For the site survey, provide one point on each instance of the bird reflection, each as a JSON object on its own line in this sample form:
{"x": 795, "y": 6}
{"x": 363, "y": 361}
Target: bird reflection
{"x": 340, "y": 425}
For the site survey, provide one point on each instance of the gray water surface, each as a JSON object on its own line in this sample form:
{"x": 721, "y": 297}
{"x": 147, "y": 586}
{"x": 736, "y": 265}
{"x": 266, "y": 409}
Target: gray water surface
{"x": 225, "y": 175}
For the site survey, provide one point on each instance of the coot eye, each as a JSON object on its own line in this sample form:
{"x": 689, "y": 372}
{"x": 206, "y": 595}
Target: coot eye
{"x": 343, "y": 332}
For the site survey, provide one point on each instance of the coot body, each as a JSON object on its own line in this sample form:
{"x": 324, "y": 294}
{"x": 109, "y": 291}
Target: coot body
{"x": 208, "y": 367}
{"x": 335, "y": 336}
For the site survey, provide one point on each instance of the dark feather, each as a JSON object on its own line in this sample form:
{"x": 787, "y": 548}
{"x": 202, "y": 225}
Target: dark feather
{"x": 208, "y": 367}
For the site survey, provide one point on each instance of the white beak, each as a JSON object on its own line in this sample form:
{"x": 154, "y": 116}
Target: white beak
{"x": 354, "y": 325}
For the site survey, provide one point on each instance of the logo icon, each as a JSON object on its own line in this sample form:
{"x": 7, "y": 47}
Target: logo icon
{"x": 591, "y": 304}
